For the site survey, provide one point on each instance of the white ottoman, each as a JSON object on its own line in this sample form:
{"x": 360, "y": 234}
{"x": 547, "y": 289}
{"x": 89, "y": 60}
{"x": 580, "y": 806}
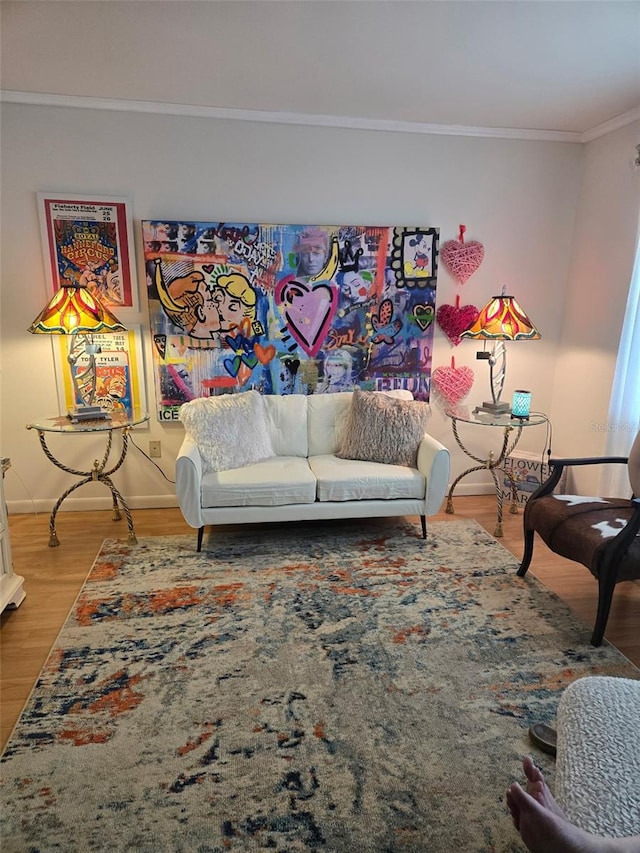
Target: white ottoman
{"x": 598, "y": 761}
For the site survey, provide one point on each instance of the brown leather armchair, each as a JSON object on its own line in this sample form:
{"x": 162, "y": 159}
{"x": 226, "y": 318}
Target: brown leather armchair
{"x": 601, "y": 533}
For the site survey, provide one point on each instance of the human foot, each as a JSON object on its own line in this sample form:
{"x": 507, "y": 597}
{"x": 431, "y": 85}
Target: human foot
{"x": 538, "y": 788}
{"x": 545, "y": 831}
{"x": 542, "y": 830}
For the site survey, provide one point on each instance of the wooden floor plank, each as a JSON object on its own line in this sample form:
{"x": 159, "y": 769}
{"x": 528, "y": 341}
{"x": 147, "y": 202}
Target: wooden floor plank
{"x": 54, "y": 577}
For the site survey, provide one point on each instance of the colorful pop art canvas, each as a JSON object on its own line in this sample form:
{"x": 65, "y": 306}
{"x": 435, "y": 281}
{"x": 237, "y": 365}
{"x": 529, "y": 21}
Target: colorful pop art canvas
{"x": 288, "y": 309}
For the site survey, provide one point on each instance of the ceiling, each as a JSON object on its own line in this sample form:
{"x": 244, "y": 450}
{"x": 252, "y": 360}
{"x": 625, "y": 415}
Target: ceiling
{"x": 568, "y": 67}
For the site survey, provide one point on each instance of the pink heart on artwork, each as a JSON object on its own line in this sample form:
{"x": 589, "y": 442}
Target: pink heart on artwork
{"x": 455, "y": 319}
{"x": 452, "y": 383}
{"x": 460, "y": 258}
{"x": 308, "y": 309}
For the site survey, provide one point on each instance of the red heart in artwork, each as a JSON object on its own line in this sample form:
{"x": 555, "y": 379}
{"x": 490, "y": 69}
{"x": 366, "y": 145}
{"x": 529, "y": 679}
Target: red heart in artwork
{"x": 454, "y": 319}
{"x": 462, "y": 259}
{"x": 452, "y": 383}
{"x": 264, "y": 354}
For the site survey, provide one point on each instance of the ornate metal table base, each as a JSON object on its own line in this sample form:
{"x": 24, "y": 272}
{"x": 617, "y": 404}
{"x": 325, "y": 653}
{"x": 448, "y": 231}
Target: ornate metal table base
{"x": 96, "y": 475}
{"x": 492, "y": 463}
{"x": 100, "y": 473}
{"x": 492, "y": 466}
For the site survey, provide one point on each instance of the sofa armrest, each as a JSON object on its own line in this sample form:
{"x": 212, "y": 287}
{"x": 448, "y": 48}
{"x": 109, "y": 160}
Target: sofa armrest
{"x": 189, "y": 482}
{"x": 434, "y": 462}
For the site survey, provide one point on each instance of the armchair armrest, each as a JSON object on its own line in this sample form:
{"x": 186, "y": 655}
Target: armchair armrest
{"x": 434, "y": 462}
{"x": 557, "y": 466}
{"x": 189, "y": 482}
{"x": 588, "y": 460}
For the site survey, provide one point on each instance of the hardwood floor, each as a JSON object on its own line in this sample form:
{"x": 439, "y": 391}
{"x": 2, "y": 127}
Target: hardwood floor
{"x": 54, "y": 576}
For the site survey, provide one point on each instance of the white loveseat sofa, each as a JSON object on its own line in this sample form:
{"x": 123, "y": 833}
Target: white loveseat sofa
{"x": 305, "y": 480}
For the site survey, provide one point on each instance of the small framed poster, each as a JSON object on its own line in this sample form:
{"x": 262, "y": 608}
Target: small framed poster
{"x": 89, "y": 240}
{"x": 113, "y": 377}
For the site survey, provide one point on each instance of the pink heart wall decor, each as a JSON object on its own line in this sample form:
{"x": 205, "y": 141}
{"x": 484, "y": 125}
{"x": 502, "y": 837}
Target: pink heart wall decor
{"x": 452, "y": 383}
{"x": 308, "y": 309}
{"x": 455, "y": 319}
{"x": 460, "y": 258}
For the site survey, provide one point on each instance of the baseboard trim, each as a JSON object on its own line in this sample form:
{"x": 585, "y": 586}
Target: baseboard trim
{"x": 44, "y": 507}
{"x": 474, "y": 489}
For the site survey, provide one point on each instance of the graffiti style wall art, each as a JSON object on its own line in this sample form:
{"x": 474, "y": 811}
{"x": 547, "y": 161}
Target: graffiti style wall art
{"x": 288, "y": 309}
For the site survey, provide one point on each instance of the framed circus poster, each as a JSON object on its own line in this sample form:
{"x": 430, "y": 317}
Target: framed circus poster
{"x": 89, "y": 240}
{"x": 288, "y": 309}
{"x": 112, "y": 376}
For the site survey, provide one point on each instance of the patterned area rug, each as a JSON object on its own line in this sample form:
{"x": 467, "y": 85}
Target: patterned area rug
{"x": 307, "y": 687}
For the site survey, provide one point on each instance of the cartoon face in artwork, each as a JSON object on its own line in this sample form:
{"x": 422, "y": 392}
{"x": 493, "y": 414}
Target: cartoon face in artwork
{"x": 233, "y": 299}
{"x": 207, "y": 308}
{"x": 422, "y": 255}
{"x": 116, "y": 386}
{"x": 354, "y": 287}
{"x": 111, "y": 392}
{"x": 418, "y": 255}
{"x": 188, "y": 305}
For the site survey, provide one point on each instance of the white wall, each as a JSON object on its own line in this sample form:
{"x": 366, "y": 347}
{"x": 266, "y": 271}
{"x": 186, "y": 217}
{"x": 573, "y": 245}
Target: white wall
{"x": 602, "y": 262}
{"x": 518, "y": 197}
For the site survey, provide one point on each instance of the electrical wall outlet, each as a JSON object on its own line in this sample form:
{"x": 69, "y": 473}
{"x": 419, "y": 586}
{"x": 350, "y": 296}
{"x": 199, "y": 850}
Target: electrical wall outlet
{"x": 155, "y": 449}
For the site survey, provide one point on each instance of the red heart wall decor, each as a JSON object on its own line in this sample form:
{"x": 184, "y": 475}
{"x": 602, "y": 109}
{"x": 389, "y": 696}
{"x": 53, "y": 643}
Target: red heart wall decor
{"x": 460, "y": 258}
{"x": 452, "y": 383}
{"x": 454, "y": 319}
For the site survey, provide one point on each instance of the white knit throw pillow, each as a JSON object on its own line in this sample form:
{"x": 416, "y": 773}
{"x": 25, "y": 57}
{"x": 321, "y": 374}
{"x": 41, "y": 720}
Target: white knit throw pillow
{"x": 230, "y": 430}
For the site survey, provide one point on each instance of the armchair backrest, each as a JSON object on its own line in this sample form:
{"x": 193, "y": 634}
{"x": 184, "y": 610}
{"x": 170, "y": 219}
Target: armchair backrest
{"x": 634, "y": 467}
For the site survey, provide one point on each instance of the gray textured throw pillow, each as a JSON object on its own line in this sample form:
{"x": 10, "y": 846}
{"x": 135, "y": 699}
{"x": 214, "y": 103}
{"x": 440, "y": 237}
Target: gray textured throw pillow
{"x": 383, "y": 429}
{"x": 230, "y": 431}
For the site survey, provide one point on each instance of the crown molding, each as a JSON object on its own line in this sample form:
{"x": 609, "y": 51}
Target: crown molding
{"x": 43, "y": 99}
{"x": 308, "y": 119}
{"x": 611, "y": 125}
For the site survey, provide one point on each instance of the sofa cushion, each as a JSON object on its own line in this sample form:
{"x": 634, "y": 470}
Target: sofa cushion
{"x": 287, "y": 423}
{"x": 230, "y": 431}
{"x": 381, "y": 429}
{"x": 274, "y": 482}
{"x": 327, "y": 416}
{"x": 351, "y": 480}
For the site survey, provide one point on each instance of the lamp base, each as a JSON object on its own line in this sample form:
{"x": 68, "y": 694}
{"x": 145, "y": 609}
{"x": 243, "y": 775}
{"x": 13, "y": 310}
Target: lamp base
{"x": 489, "y": 408}
{"x": 88, "y": 413}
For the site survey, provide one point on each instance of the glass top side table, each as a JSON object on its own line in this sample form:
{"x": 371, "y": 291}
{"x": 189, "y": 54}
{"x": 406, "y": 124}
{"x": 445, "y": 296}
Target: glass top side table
{"x": 119, "y": 421}
{"x": 512, "y": 430}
